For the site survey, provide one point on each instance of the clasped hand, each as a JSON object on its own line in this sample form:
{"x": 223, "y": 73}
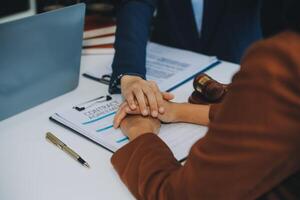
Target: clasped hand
{"x": 133, "y": 123}
{"x": 144, "y": 107}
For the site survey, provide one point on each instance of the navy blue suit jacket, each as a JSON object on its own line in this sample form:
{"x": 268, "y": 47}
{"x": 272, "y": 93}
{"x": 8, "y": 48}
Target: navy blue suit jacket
{"x": 229, "y": 27}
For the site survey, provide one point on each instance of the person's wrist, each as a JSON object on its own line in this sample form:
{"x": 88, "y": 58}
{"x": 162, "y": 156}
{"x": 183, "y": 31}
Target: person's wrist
{"x": 135, "y": 132}
{"x": 190, "y": 113}
{"x": 126, "y": 78}
{"x": 179, "y": 112}
{"x": 138, "y": 134}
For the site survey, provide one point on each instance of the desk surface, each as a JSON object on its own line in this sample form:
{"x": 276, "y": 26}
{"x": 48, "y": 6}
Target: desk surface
{"x": 33, "y": 169}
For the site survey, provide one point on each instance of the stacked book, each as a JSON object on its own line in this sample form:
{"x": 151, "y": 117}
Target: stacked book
{"x": 98, "y": 38}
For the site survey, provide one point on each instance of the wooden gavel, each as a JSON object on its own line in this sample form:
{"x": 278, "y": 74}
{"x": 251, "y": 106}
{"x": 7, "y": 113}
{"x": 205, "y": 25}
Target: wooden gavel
{"x": 207, "y": 90}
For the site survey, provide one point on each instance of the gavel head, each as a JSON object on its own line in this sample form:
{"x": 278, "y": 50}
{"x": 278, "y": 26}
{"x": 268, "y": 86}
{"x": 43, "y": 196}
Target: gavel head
{"x": 208, "y": 89}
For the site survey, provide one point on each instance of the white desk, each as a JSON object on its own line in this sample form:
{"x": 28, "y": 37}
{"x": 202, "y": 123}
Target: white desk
{"x": 33, "y": 169}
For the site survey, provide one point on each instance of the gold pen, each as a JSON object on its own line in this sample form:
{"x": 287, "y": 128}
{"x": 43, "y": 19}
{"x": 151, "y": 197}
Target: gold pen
{"x": 53, "y": 139}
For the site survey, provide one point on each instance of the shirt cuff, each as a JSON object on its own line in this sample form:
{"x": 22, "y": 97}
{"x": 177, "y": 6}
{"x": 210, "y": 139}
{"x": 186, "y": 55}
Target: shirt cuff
{"x": 213, "y": 110}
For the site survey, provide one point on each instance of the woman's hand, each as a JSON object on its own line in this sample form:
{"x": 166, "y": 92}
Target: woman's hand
{"x": 136, "y": 125}
{"x": 167, "y": 117}
{"x": 139, "y": 93}
{"x": 174, "y": 112}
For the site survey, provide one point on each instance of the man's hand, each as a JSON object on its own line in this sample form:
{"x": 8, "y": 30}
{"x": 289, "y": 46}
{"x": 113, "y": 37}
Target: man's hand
{"x": 171, "y": 110}
{"x": 136, "y": 125}
{"x": 144, "y": 92}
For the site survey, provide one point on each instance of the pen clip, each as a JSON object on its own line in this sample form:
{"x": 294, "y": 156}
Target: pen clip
{"x": 61, "y": 146}
{"x": 105, "y": 79}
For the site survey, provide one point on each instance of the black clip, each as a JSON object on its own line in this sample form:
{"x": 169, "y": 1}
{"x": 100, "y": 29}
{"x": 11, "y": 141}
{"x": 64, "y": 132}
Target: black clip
{"x": 92, "y": 102}
{"x": 105, "y": 79}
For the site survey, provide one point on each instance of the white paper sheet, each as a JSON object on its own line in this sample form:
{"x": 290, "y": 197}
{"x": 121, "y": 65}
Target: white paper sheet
{"x": 166, "y": 65}
{"x": 169, "y": 67}
{"x": 96, "y": 123}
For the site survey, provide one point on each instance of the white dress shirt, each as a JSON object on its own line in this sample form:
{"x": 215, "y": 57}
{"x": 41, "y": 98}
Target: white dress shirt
{"x": 198, "y": 6}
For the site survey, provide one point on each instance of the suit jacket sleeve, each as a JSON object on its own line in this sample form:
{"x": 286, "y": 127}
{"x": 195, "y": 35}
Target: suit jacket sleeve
{"x": 133, "y": 27}
{"x": 252, "y": 143}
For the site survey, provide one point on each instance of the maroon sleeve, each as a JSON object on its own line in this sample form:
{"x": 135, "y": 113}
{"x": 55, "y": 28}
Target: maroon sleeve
{"x": 213, "y": 111}
{"x": 252, "y": 144}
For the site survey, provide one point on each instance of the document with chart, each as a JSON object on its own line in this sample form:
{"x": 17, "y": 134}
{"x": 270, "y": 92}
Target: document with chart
{"x": 168, "y": 67}
{"x": 94, "y": 120}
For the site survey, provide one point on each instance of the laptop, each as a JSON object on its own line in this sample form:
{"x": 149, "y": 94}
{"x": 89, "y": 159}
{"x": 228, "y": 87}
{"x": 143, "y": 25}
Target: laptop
{"x": 39, "y": 58}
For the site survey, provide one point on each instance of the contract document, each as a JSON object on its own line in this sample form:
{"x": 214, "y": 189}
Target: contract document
{"x": 94, "y": 120}
{"x": 169, "y": 67}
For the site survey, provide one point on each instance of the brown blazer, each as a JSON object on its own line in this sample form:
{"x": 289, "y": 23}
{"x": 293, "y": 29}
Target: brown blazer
{"x": 252, "y": 147}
